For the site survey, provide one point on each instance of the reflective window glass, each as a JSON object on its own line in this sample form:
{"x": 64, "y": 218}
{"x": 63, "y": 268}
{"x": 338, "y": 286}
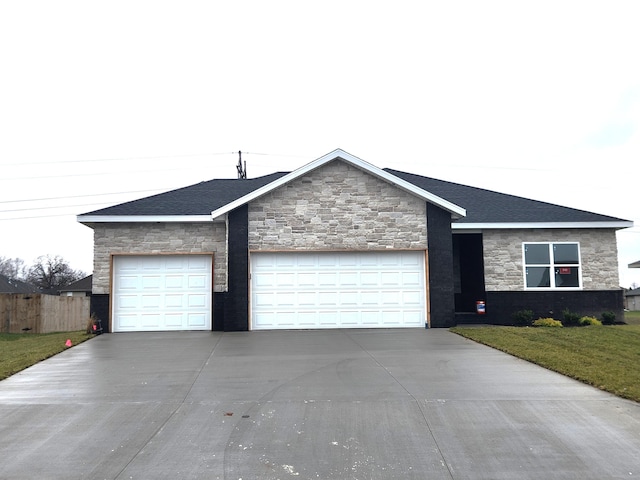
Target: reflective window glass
{"x": 566, "y": 277}
{"x": 536, "y": 254}
{"x": 565, "y": 253}
{"x": 538, "y": 277}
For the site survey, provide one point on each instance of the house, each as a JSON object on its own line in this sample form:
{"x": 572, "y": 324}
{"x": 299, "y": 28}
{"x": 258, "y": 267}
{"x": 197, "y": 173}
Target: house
{"x": 10, "y": 285}
{"x": 340, "y": 243}
{"x": 79, "y": 288}
{"x": 632, "y": 299}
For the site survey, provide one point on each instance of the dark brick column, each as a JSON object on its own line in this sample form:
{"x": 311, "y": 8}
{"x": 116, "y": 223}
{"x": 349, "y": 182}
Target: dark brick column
{"x": 441, "y": 288}
{"x": 236, "y": 301}
{"x": 99, "y": 306}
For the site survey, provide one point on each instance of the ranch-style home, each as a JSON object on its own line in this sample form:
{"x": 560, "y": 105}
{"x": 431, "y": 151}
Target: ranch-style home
{"x": 340, "y": 243}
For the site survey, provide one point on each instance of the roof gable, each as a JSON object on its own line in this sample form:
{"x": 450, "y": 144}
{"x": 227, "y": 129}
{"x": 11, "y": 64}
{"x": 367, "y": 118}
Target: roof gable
{"x": 338, "y": 154}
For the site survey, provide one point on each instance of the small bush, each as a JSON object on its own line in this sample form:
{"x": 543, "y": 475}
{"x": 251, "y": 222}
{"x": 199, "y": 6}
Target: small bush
{"x": 522, "y": 318}
{"x": 570, "y": 319}
{"x": 608, "y": 318}
{"x": 547, "y": 322}
{"x": 586, "y": 321}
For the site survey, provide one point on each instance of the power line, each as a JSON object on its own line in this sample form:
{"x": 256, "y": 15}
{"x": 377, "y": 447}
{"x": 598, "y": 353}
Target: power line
{"x": 97, "y": 174}
{"x": 54, "y": 207}
{"x": 82, "y": 196}
{"x": 119, "y": 172}
{"x": 39, "y": 216}
{"x": 118, "y": 159}
{"x": 156, "y": 157}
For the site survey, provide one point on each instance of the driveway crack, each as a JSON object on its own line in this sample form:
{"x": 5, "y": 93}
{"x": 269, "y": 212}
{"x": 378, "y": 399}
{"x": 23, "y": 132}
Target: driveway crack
{"x": 417, "y": 402}
{"x": 179, "y": 405}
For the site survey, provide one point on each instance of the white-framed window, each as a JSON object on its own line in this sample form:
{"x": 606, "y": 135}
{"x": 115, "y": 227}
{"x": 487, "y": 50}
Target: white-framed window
{"x": 552, "y": 265}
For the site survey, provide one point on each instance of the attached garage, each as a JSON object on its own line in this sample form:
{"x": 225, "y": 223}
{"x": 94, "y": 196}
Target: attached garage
{"x": 312, "y": 290}
{"x": 161, "y": 292}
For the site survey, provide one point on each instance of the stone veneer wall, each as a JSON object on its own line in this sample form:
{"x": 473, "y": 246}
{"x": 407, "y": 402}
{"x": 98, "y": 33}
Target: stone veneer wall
{"x": 156, "y": 238}
{"x": 337, "y": 207}
{"x": 503, "y": 262}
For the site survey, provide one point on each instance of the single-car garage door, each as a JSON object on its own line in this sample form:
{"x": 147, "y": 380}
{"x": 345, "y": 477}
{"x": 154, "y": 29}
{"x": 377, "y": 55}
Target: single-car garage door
{"x": 162, "y": 292}
{"x": 337, "y": 290}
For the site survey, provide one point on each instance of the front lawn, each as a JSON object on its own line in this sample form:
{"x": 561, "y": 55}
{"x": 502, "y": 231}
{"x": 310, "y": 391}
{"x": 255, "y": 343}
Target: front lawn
{"x": 21, "y": 350}
{"x": 606, "y": 357}
{"x": 632, "y": 318}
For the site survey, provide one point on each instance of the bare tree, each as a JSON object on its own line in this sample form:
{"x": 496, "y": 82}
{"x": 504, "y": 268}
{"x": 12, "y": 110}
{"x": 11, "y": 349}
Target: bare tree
{"x": 52, "y": 273}
{"x": 12, "y": 267}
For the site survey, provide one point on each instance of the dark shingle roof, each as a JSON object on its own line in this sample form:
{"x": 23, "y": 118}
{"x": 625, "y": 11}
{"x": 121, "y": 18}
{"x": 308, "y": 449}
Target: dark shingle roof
{"x": 199, "y": 199}
{"x": 486, "y": 206}
{"x": 9, "y": 285}
{"x": 83, "y": 285}
{"x": 482, "y": 206}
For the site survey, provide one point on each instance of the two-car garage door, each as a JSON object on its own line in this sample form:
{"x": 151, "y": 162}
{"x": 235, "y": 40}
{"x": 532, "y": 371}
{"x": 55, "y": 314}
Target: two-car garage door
{"x": 162, "y": 292}
{"x": 314, "y": 290}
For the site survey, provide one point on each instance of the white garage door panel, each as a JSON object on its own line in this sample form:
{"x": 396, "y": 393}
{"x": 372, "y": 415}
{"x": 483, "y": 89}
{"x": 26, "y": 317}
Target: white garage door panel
{"x": 337, "y": 290}
{"x": 154, "y": 293}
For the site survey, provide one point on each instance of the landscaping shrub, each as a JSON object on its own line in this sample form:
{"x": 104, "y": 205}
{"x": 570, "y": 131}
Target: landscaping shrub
{"x": 570, "y": 319}
{"x": 522, "y": 318}
{"x": 608, "y": 318}
{"x": 586, "y": 321}
{"x": 547, "y": 322}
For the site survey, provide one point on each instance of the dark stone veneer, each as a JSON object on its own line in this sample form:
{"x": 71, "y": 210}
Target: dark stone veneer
{"x": 440, "y": 250}
{"x": 501, "y": 305}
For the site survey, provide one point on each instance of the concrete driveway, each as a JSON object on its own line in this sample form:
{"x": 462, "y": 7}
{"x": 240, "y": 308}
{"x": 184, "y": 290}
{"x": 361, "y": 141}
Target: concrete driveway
{"x": 354, "y": 404}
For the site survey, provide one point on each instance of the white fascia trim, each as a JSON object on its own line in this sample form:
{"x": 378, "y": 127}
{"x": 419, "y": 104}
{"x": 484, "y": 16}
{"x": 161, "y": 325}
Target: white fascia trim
{"x": 455, "y": 210}
{"x": 144, "y": 218}
{"x": 539, "y": 225}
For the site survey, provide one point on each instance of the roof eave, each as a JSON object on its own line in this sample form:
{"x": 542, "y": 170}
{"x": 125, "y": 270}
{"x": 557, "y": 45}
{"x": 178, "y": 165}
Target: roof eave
{"x": 87, "y": 219}
{"x": 455, "y": 211}
{"x": 539, "y": 225}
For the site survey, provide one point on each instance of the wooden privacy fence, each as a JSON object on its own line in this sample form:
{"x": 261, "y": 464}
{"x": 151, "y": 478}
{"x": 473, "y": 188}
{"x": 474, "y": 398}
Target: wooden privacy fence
{"x": 40, "y": 313}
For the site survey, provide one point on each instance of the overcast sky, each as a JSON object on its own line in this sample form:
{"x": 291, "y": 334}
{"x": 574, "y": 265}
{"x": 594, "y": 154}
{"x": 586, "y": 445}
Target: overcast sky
{"x": 102, "y": 102}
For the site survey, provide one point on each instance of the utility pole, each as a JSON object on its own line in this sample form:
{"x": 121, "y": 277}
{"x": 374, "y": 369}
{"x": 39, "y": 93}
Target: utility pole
{"x": 242, "y": 169}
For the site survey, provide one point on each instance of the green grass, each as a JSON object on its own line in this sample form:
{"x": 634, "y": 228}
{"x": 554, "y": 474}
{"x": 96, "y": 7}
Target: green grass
{"x": 607, "y": 357}
{"x": 21, "y": 350}
{"x": 632, "y": 318}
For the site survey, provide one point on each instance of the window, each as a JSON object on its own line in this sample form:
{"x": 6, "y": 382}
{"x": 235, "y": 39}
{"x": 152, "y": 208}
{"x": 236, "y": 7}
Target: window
{"x": 552, "y": 265}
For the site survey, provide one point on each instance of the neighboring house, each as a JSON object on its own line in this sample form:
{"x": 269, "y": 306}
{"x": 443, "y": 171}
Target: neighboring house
{"x": 9, "y": 285}
{"x": 79, "y": 288}
{"x": 340, "y": 243}
{"x": 634, "y": 264}
{"x": 632, "y": 299}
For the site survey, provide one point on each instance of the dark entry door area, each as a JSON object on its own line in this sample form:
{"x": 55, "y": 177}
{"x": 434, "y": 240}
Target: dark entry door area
{"x": 468, "y": 267}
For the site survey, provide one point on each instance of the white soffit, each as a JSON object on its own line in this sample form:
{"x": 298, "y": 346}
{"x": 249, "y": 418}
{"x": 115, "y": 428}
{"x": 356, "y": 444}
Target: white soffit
{"x": 142, "y": 218}
{"x": 455, "y": 210}
{"x": 540, "y": 225}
